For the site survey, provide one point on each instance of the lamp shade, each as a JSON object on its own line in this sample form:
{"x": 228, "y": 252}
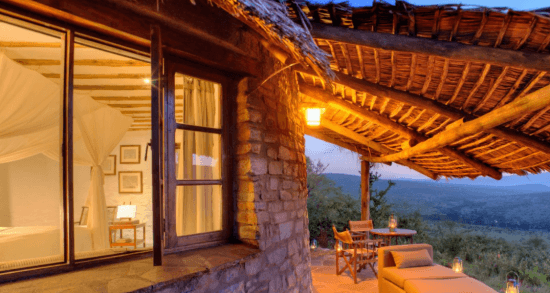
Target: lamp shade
{"x": 313, "y": 116}
{"x": 126, "y": 211}
{"x": 512, "y": 285}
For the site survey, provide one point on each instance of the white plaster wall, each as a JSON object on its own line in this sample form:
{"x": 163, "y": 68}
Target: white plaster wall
{"x": 143, "y": 201}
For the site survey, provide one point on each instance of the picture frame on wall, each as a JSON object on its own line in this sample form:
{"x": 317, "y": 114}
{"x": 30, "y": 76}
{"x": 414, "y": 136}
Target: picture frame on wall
{"x": 130, "y": 154}
{"x": 109, "y": 165}
{"x": 130, "y": 182}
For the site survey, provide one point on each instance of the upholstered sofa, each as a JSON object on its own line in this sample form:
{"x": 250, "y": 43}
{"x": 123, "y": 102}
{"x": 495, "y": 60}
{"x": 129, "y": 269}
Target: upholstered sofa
{"x": 425, "y": 279}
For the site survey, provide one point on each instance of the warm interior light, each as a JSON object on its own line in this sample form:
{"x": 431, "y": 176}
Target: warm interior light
{"x": 313, "y": 116}
{"x": 147, "y": 81}
{"x": 126, "y": 211}
{"x": 313, "y": 244}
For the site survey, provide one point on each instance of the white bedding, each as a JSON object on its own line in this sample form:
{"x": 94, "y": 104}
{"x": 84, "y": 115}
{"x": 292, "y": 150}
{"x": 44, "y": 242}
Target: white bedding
{"x": 18, "y": 243}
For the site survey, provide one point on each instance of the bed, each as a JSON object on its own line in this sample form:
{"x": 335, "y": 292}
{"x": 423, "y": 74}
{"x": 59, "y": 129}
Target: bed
{"x": 20, "y": 243}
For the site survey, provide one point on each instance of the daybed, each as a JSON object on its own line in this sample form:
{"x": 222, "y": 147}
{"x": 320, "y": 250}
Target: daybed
{"x": 426, "y": 279}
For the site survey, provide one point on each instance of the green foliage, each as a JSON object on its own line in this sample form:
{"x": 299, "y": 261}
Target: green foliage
{"x": 380, "y": 209}
{"x": 489, "y": 259}
{"x": 327, "y": 205}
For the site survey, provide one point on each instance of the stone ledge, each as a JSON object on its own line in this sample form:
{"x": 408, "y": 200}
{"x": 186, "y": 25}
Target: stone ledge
{"x": 141, "y": 275}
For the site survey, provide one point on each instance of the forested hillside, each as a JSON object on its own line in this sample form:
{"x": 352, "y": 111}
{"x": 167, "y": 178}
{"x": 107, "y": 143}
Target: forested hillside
{"x": 523, "y": 206}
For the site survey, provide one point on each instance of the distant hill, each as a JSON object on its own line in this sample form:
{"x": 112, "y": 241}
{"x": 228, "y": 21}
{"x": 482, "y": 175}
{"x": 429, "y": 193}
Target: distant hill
{"x": 523, "y": 206}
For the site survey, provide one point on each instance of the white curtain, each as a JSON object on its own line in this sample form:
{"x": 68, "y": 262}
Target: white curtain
{"x": 198, "y": 208}
{"x": 30, "y": 121}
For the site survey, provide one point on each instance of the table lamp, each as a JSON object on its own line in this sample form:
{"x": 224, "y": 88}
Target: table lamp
{"x": 126, "y": 212}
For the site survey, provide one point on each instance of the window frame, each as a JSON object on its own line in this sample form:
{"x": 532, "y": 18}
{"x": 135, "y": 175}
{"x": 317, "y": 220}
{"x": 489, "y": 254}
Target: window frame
{"x": 174, "y": 243}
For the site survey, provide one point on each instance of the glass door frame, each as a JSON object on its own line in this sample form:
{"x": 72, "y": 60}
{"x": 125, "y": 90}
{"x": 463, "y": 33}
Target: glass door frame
{"x": 173, "y": 242}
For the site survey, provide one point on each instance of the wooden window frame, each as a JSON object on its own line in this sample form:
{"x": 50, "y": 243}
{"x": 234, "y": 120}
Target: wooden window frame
{"x": 67, "y": 34}
{"x": 174, "y": 243}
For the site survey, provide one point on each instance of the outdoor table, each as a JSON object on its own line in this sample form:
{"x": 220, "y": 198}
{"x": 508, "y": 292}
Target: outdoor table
{"x": 386, "y": 234}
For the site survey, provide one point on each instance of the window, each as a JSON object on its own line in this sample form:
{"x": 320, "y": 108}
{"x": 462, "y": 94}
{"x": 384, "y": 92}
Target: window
{"x": 200, "y": 198}
{"x": 31, "y": 120}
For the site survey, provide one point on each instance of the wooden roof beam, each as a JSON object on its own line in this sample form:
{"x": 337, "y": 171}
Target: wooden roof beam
{"x": 373, "y": 145}
{"x": 425, "y": 103}
{"x": 452, "y": 50}
{"x": 337, "y": 103}
{"x": 529, "y": 103}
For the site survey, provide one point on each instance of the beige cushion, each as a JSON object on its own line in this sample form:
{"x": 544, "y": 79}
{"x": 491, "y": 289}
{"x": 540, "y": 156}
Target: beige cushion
{"x": 412, "y": 259}
{"x": 456, "y": 285}
{"x": 399, "y": 276}
{"x": 385, "y": 258}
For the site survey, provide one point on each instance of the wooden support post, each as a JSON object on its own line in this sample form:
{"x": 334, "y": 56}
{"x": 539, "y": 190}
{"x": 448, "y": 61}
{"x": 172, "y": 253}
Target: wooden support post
{"x": 156, "y": 142}
{"x": 365, "y": 190}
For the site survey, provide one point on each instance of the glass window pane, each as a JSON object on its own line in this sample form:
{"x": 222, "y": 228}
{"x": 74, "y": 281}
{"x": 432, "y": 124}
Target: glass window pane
{"x": 198, "y": 155}
{"x": 31, "y": 112}
{"x": 198, "y": 209}
{"x": 198, "y": 102}
{"x": 112, "y": 126}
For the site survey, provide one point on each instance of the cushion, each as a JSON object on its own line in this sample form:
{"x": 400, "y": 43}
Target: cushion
{"x": 456, "y": 285}
{"x": 399, "y": 276}
{"x": 412, "y": 259}
{"x": 385, "y": 259}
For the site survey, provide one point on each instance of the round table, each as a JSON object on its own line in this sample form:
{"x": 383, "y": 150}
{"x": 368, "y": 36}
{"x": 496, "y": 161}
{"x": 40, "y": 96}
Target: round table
{"x": 386, "y": 234}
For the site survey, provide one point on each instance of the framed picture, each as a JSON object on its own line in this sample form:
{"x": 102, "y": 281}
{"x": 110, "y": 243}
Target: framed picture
{"x": 109, "y": 165}
{"x": 130, "y": 154}
{"x": 130, "y": 182}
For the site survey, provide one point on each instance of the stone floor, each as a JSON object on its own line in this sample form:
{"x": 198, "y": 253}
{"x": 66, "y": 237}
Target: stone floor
{"x": 325, "y": 280}
{"x": 135, "y": 275}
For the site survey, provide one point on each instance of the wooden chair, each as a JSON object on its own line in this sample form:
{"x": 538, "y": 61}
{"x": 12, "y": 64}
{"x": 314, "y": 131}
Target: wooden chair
{"x": 357, "y": 254}
{"x": 360, "y": 231}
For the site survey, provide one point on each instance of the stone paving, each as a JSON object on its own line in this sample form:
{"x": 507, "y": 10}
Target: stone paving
{"x": 325, "y": 280}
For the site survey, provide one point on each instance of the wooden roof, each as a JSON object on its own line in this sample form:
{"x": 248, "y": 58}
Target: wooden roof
{"x": 405, "y": 73}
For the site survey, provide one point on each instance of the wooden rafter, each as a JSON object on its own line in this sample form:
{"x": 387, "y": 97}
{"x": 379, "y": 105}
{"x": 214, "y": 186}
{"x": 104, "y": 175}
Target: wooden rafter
{"x": 531, "y": 102}
{"x": 452, "y": 50}
{"x": 460, "y": 83}
{"x": 489, "y": 94}
{"x": 479, "y": 31}
{"x": 443, "y": 78}
{"x": 337, "y": 103}
{"x": 479, "y": 82}
{"x": 504, "y": 28}
{"x": 373, "y": 145}
{"x": 424, "y": 103}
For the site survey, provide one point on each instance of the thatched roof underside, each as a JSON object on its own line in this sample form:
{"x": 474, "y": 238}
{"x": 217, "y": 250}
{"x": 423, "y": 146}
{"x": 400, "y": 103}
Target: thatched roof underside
{"x": 475, "y": 88}
{"x": 270, "y": 19}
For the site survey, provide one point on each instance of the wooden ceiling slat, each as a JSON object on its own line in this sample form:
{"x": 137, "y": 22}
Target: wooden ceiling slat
{"x": 85, "y": 62}
{"x": 489, "y": 94}
{"x": 479, "y": 82}
{"x": 443, "y": 78}
{"x": 417, "y": 117}
{"x": 504, "y": 28}
{"x": 431, "y": 61}
{"x": 362, "y": 73}
{"x": 527, "y": 34}
{"x": 519, "y": 159}
{"x": 377, "y": 65}
{"x": 407, "y": 114}
{"x": 545, "y": 128}
{"x": 535, "y": 118}
{"x": 479, "y": 31}
{"x": 442, "y": 125}
{"x": 456, "y": 24}
{"x": 411, "y": 72}
{"x": 428, "y": 123}
{"x": 475, "y": 142}
{"x": 460, "y": 83}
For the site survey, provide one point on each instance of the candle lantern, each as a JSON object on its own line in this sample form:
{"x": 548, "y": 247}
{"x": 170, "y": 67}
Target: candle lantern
{"x": 512, "y": 284}
{"x": 338, "y": 246}
{"x": 313, "y": 116}
{"x": 457, "y": 265}
{"x": 313, "y": 244}
{"x": 392, "y": 223}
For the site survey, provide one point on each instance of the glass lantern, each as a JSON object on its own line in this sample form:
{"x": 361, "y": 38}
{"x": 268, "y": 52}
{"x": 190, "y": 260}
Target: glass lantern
{"x": 313, "y": 116}
{"x": 457, "y": 265}
{"x": 338, "y": 246}
{"x": 512, "y": 284}
{"x": 313, "y": 244}
{"x": 392, "y": 223}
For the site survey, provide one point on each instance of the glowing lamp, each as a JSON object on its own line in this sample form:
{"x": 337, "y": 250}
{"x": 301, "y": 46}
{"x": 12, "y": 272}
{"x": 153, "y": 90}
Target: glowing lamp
{"x": 313, "y": 244}
{"x": 313, "y": 116}
{"x": 392, "y": 223}
{"x": 338, "y": 246}
{"x": 512, "y": 285}
{"x": 457, "y": 265}
{"x": 126, "y": 212}
{"x": 146, "y": 81}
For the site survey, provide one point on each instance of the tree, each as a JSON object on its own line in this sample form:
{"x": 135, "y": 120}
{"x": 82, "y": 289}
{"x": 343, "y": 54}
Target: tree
{"x": 327, "y": 204}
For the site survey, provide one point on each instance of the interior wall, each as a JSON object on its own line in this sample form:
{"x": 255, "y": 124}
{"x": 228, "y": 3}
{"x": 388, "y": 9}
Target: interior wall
{"x": 143, "y": 201}
{"x": 5, "y": 219}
